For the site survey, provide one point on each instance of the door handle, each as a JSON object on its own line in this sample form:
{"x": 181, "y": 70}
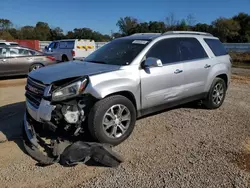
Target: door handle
{"x": 177, "y": 71}
{"x": 207, "y": 66}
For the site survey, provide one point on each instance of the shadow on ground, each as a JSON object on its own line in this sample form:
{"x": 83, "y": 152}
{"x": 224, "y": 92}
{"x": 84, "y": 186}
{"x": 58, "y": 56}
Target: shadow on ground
{"x": 11, "y": 117}
{"x": 12, "y": 77}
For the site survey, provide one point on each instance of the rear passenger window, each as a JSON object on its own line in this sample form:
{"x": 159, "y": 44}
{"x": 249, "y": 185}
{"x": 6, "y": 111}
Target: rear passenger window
{"x": 166, "y": 50}
{"x": 191, "y": 49}
{"x": 216, "y": 46}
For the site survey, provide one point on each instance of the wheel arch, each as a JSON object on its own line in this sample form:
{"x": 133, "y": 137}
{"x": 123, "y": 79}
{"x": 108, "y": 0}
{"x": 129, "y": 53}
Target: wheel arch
{"x": 126, "y": 94}
{"x": 64, "y": 55}
{"x": 36, "y": 63}
{"x": 223, "y": 77}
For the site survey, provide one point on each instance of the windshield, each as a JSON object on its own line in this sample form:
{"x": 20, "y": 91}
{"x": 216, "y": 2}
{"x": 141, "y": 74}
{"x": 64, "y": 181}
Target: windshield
{"x": 118, "y": 52}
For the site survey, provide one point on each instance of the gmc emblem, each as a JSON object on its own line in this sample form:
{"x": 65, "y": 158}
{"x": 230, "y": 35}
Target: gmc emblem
{"x": 32, "y": 89}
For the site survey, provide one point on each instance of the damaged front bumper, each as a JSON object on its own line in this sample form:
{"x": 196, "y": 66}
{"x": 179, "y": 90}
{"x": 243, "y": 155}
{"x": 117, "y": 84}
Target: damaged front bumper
{"x": 30, "y": 132}
{"x": 40, "y": 114}
{"x": 66, "y": 152}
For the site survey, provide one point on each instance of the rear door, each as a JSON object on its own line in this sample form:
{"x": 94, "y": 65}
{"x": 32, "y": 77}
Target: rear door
{"x": 66, "y": 48}
{"x": 196, "y": 65}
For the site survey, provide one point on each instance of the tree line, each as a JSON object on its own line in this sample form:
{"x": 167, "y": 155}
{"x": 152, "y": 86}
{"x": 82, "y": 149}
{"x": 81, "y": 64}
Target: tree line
{"x": 235, "y": 29}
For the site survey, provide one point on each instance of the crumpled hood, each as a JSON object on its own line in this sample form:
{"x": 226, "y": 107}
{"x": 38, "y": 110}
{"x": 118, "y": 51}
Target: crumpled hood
{"x": 71, "y": 69}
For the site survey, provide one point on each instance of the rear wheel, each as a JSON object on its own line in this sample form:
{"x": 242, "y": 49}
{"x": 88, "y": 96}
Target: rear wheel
{"x": 216, "y": 95}
{"x": 112, "y": 120}
{"x": 35, "y": 67}
{"x": 64, "y": 58}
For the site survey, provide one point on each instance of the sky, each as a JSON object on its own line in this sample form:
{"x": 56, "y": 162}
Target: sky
{"x": 102, "y": 15}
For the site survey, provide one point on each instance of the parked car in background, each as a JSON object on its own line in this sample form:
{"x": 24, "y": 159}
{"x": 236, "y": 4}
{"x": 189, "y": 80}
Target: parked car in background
{"x": 126, "y": 79}
{"x": 17, "y": 60}
{"x": 4, "y": 43}
{"x": 70, "y": 49}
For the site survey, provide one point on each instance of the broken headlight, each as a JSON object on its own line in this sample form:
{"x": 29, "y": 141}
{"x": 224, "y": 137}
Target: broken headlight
{"x": 69, "y": 91}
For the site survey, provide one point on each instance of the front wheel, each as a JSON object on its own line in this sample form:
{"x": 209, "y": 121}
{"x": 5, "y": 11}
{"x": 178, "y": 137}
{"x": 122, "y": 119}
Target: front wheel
{"x": 216, "y": 95}
{"x": 112, "y": 119}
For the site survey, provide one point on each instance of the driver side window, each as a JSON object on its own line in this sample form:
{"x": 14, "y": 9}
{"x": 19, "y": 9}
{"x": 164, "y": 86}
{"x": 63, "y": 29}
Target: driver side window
{"x": 167, "y": 50}
{"x": 53, "y": 45}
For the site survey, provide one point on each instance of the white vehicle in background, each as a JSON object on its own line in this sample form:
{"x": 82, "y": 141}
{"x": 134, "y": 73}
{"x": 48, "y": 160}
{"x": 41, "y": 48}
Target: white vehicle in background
{"x": 5, "y": 43}
{"x": 70, "y": 49}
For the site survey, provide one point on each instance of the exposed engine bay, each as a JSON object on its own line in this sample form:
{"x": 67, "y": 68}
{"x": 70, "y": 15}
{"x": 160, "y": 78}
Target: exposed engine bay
{"x": 69, "y": 116}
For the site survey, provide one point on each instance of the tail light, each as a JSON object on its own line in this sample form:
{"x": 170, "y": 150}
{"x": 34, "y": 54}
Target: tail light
{"x": 51, "y": 58}
{"x": 73, "y": 53}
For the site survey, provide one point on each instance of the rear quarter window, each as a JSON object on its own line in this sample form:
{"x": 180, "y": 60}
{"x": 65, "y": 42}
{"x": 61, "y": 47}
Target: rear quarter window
{"x": 67, "y": 44}
{"x": 216, "y": 46}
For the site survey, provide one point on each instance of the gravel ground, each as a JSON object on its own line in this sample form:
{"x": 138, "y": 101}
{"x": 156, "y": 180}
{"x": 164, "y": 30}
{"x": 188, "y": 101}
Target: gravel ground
{"x": 182, "y": 147}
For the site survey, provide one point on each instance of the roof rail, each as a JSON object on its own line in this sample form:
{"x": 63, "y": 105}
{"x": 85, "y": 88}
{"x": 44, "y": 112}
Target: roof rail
{"x": 145, "y": 34}
{"x": 187, "y": 33}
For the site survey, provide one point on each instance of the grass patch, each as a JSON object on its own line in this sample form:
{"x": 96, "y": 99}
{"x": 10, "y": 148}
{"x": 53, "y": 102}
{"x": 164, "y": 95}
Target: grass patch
{"x": 241, "y": 59}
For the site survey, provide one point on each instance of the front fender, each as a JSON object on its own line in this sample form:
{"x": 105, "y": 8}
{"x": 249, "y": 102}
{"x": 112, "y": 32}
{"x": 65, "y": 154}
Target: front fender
{"x": 108, "y": 87}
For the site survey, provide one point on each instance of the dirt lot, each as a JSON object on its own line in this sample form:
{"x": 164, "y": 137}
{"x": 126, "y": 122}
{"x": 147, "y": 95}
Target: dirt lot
{"x": 183, "y": 147}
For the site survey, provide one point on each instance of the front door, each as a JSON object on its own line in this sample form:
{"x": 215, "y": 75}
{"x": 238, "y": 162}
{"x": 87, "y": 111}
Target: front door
{"x": 161, "y": 85}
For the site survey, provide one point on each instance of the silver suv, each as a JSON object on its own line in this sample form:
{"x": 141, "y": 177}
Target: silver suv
{"x": 125, "y": 79}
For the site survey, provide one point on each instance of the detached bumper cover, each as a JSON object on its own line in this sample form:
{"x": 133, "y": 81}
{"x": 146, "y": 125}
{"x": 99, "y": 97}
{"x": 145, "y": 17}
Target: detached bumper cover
{"x": 30, "y": 132}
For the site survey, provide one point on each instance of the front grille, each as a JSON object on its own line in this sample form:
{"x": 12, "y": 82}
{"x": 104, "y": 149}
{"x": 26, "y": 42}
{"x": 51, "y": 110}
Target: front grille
{"x": 34, "y": 92}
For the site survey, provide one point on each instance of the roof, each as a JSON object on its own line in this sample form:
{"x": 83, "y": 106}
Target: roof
{"x": 151, "y": 36}
{"x": 70, "y": 40}
{"x": 145, "y": 36}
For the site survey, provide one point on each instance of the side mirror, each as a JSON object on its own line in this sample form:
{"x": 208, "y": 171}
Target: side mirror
{"x": 152, "y": 62}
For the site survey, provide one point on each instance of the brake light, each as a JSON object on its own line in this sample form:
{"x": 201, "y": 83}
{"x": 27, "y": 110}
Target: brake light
{"x": 51, "y": 58}
{"x": 73, "y": 53}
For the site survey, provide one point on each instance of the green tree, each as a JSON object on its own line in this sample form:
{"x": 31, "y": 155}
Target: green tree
{"x": 42, "y": 31}
{"x": 156, "y": 27}
{"x": 5, "y": 35}
{"x": 226, "y": 29}
{"x": 182, "y": 26}
{"x": 244, "y": 21}
{"x": 203, "y": 28}
{"x": 27, "y": 32}
{"x": 15, "y": 33}
{"x": 5, "y": 24}
{"x": 56, "y": 34}
{"x": 127, "y": 25}
{"x": 116, "y": 35}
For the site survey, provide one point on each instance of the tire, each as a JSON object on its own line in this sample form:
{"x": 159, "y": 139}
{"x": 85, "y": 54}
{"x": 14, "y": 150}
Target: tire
{"x": 35, "y": 67}
{"x": 64, "y": 58}
{"x": 211, "y": 100}
{"x": 99, "y": 113}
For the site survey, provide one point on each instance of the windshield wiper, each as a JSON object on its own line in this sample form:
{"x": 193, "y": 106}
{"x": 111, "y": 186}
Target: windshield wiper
{"x": 101, "y": 62}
